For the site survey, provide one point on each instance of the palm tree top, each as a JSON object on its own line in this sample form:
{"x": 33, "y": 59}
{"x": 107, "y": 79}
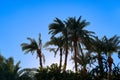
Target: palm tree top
{"x": 112, "y": 44}
{"x": 56, "y": 27}
{"x": 106, "y": 44}
{"x": 29, "y": 47}
{"x": 74, "y": 23}
{"x": 33, "y": 45}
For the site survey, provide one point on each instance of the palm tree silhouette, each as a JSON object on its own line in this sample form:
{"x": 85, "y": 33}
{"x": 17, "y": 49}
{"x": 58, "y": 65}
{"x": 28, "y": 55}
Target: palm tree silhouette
{"x": 111, "y": 46}
{"x": 98, "y": 47}
{"x": 56, "y": 42}
{"x": 11, "y": 71}
{"x": 34, "y": 46}
{"x": 58, "y": 27}
{"x": 78, "y": 34}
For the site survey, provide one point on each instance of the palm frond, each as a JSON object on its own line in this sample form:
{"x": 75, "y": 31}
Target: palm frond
{"x": 16, "y": 67}
{"x": 56, "y": 27}
{"x": 29, "y": 47}
{"x": 48, "y": 44}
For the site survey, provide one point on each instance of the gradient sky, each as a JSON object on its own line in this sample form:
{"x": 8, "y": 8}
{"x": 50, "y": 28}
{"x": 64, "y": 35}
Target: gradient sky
{"x": 20, "y": 19}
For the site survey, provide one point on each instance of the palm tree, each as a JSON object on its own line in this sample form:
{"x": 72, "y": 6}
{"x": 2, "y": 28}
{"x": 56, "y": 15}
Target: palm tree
{"x": 112, "y": 45}
{"x": 59, "y": 43}
{"x": 11, "y": 71}
{"x": 106, "y": 46}
{"x": 98, "y": 47}
{"x": 58, "y": 27}
{"x": 34, "y": 46}
{"x": 78, "y": 34}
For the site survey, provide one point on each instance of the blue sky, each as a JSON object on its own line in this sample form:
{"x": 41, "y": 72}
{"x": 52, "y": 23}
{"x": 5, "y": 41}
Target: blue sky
{"x": 20, "y": 19}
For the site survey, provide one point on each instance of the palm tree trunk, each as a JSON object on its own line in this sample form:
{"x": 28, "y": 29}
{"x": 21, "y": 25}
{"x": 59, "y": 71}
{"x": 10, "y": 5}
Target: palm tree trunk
{"x": 84, "y": 66}
{"x": 66, "y": 55}
{"x": 110, "y": 61}
{"x": 75, "y": 55}
{"x": 40, "y": 57}
{"x": 100, "y": 65}
{"x": 66, "y": 50}
{"x": 60, "y": 58}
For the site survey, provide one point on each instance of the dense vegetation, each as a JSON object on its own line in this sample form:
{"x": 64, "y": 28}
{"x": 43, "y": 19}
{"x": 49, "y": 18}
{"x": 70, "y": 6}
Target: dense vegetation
{"x": 92, "y": 55}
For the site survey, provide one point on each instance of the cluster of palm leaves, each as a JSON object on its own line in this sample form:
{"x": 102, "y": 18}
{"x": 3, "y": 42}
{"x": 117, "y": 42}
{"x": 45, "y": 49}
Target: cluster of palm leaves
{"x": 11, "y": 71}
{"x": 71, "y": 36}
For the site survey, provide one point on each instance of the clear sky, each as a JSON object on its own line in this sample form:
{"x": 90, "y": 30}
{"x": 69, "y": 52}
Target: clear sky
{"x": 20, "y": 19}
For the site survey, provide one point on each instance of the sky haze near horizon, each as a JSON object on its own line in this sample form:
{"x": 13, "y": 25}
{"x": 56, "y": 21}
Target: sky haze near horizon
{"x": 20, "y": 19}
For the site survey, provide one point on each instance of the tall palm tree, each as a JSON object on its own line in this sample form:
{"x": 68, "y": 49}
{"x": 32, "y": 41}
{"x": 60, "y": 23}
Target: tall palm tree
{"x": 112, "y": 46}
{"x": 98, "y": 47}
{"x": 59, "y": 27}
{"x": 59, "y": 43}
{"x": 78, "y": 34}
{"x": 34, "y": 46}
